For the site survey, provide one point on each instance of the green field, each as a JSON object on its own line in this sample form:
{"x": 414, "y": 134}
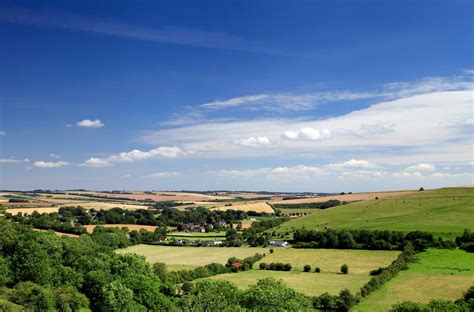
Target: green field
{"x": 288, "y": 211}
{"x": 439, "y": 274}
{"x": 444, "y": 212}
{"x": 360, "y": 263}
{"x": 190, "y": 257}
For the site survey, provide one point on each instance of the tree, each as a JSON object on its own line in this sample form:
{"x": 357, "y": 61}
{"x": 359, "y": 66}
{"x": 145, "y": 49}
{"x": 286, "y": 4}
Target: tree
{"x": 160, "y": 271}
{"x": 272, "y": 295}
{"x": 307, "y": 268}
{"x": 344, "y": 269}
{"x": 317, "y": 270}
{"x": 346, "y": 300}
{"x": 117, "y": 297}
{"x": 209, "y": 295}
{"x": 421, "y": 189}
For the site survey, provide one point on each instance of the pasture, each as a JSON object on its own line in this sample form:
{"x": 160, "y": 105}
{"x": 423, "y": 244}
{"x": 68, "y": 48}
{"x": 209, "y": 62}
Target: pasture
{"x": 197, "y": 236}
{"x": 445, "y": 212}
{"x": 191, "y": 256}
{"x": 330, "y": 280}
{"x": 438, "y": 274}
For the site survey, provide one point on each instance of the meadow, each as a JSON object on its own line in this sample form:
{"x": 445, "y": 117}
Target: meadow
{"x": 330, "y": 280}
{"x": 438, "y": 274}
{"x": 191, "y": 256}
{"x": 445, "y": 212}
{"x": 197, "y": 236}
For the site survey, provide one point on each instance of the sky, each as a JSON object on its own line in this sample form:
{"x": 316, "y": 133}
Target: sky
{"x": 314, "y": 96}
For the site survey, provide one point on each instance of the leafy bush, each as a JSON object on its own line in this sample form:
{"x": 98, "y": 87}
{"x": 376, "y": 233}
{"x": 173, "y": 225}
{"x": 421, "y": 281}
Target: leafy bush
{"x": 344, "y": 269}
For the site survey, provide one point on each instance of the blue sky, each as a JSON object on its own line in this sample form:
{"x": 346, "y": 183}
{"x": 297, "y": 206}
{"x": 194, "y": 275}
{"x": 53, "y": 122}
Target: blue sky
{"x": 242, "y": 95}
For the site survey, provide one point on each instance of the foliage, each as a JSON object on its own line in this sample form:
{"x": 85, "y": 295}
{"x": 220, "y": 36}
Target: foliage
{"x": 272, "y": 295}
{"x": 208, "y": 295}
{"x": 321, "y": 205}
{"x": 344, "y": 269}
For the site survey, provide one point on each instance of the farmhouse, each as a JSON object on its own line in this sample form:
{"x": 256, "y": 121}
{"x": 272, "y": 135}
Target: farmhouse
{"x": 279, "y": 243}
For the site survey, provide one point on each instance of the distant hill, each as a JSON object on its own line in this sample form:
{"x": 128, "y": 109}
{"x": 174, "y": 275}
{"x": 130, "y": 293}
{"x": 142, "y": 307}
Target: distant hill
{"x": 444, "y": 212}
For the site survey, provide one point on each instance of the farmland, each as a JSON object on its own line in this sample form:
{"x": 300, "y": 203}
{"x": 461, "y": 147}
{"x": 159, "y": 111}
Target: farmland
{"x": 131, "y": 227}
{"x": 258, "y": 207}
{"x": 438, "y": 274}
{"x": 328, "y": 260}
{"x": 342, "y": 198}
{"x": 191, "y": 256}
{"x": 444, "y": 212}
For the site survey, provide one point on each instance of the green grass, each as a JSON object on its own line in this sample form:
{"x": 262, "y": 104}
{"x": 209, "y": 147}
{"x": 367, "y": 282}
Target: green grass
{"x": 191, "y": 256}
{"x": 288, "y": 211}
{"x": 308, "y": 283}
{"x": 444, "y": 212}
{"x": 438, "y": 274}
{"x": 360, "y": 263}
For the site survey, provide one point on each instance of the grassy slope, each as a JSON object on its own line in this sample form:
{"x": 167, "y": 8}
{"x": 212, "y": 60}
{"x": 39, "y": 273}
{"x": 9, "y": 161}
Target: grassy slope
{"x": 441, "y": 211}
{"x": 360, "y": 262}
{"x": 439, "y": 274}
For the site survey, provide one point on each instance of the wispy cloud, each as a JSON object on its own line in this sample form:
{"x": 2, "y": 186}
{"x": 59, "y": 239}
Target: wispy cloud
{"x": 54, "y": 155}
{"x": 50, "y": 164}
{"x": 13, "y": 160}
{"x": 2, "y": 133}
{"x": 88, "y": 123}
{"x": 164, "y": 174}
{"x": 168, "y": 34}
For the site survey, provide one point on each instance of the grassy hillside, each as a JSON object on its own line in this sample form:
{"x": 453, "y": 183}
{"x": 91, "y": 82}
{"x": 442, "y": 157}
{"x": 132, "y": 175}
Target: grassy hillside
{"x": 445, "y": 212}
{"x": 439, "y": 274}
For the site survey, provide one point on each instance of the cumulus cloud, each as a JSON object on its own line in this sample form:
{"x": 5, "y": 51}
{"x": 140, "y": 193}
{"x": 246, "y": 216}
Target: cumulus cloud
{"x": 300, "y": 170}
{"x": 421, "y": 167}
{"x": 135, "y": 155}
{"x": 50, "y": 164}
{"x": 307, "y": 133}
{"x": 87, "y": 123}
{"x": 253, "y": 141}
{"x": 353, "y": 164}
{"x": 97, "y": 162}
{"x": 164, "y": 174}
{"x": 13, "y": 160}
{"x": 54, "y": 155}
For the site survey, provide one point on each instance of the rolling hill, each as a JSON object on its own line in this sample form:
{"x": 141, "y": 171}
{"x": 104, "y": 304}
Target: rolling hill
{"x": 444, "y": 212}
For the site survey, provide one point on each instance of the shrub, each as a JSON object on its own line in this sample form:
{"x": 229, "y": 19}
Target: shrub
{"x": 262, "y": 266}
{"x": 271, "y": 250}
{"x": 344, "y": 269}
{"x": 317, "y": 270}
{"x": 307, "y": 268}
{"x": 287, "y": 267}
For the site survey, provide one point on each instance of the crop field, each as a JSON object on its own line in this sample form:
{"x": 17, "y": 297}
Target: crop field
{"x": 131, "y": 227}
{"x": 15, "y": 211}
{"x": 346, "y": 197}
{"x": 108, "y": 205}
{"x": 191, "y": 256}
{"x": 360, "y": 263}
{"x": 439, "y": 274}
{"x": 160, "y": 196}
{"x": 258, "y": 207}
{"x": 444, "y": 212}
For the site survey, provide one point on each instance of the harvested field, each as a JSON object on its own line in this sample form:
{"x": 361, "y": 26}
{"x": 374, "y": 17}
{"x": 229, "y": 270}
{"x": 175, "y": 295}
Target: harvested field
{"x": 131, "y": 227}
{"x": 258, "y": 207}
{"x": 347, "y": 197}
{"x": 58, "y": 233}
{"x": 15, "y": 211}
{"x": 157, "y": 197}
{"x": 26, "y": 205}
{"x": 107, "y": 205}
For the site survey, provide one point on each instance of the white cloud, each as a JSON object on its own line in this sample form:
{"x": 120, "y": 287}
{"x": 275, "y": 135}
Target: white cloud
{"x": 135, "y": 155}
{"x": 97, "y": 162}
{"x": 13, "y": 160}
{"x": 164, "y": 174}
{"x": 307, "y": 133}
{"x": 2, "y": 133}
{"x": 414, "y": 174}
{"x": 253, "y": 141}
{"x": 87, "y": 123}
{"x": 300, "y": 170}
{"x": 50, "y": 164}
{"x": 353, "y": 164}
{"x": 421, "y": 167}
{"x": 54, "y": 155}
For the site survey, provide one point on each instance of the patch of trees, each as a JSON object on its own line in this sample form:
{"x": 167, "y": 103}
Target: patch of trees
{"x": 322, "y": 205}
{"x": 42, "y": 272}
{"x": 251, "y": 236}
{"x": 18, "y": 200}
{"x": 167, "y": 204}
{"x": 236, "y": 264}
{"x": 465, "y": 304}
{"x": 275, "y": 266}
{"x": 367, "y": 239}
{"x": 342, "y": 302}
{"x": 466, "y": 241}
{"x": 47, "y": 221}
